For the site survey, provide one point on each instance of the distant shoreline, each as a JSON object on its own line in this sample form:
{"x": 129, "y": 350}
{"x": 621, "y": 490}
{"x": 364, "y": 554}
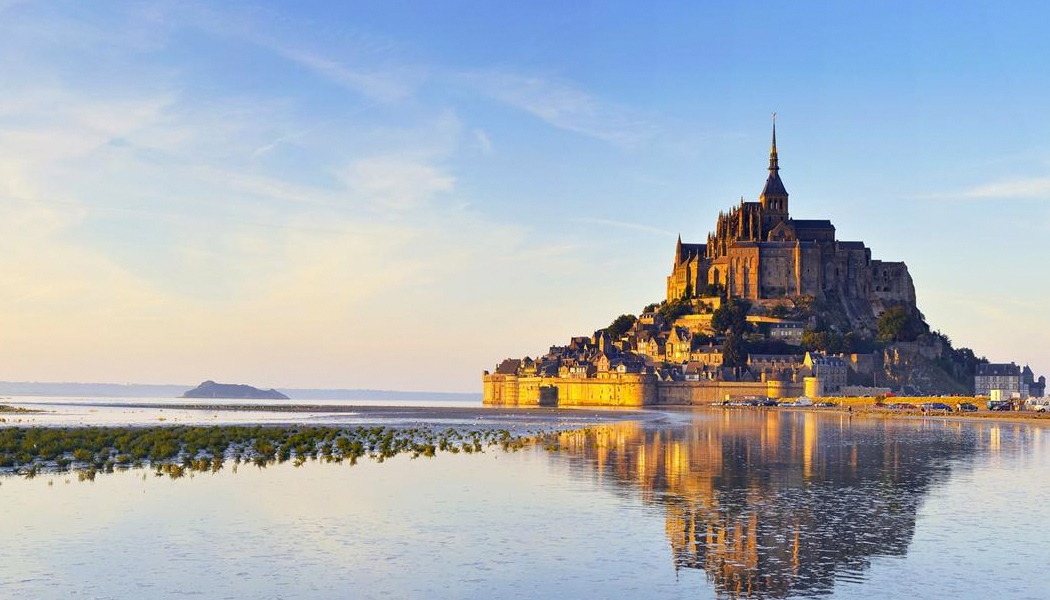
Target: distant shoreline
{"x": 151, "y": 390}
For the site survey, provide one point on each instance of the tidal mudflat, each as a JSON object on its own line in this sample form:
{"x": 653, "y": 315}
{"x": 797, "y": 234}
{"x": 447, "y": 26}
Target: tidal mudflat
{"x": 697, "y": 504}
{"x": 140, "y": 412}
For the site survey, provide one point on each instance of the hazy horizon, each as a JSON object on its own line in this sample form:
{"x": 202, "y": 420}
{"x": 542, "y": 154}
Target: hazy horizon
{"x": 399, "y": 196}
{"x": 26, "y": 388}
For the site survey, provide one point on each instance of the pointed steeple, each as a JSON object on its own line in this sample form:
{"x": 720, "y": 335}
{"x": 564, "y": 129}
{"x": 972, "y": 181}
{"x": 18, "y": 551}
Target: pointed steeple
{"x": 678, "y": 251}
{"x": 774, "y": 196}
{"x": 773, "y": 166}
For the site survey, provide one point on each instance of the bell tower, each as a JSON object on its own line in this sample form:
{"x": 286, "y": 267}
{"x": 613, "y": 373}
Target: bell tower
{"x": 774, "y": 197}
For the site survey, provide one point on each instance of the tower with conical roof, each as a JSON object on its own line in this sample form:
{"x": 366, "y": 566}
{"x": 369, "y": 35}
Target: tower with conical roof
{"x": 774, "y": 196}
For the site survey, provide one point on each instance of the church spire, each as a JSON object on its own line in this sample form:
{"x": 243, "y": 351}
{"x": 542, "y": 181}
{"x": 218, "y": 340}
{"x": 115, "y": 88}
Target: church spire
{"x": 773, "y": 166}
{"x": 774, "y": 197}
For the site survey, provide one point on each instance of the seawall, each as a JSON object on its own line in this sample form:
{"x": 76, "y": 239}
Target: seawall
{"x": 623, "y": 390}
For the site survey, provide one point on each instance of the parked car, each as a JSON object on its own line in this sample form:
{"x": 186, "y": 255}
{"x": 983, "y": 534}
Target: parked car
{"x": 902, "y": 406}
{"x": 1000, "y": 405}
{"x": 1041, "y": 408}
{"x": 935, "y": 407}
{"x": 824, "y": 404}
{"x": 966, "y": 407}
{"x": 768, "y": 402}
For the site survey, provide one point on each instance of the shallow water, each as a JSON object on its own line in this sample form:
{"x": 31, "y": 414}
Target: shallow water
{"x": 699, "y": 505}
{"x": 78, "y": 411}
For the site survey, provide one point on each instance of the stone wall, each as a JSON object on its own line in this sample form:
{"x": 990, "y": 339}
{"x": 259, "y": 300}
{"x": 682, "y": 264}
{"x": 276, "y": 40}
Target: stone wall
{"x": 891, "y": 282}
{"x": 706, "y": 392}
{"x": 624, "y": 390}
{"x": 779, "y": 270}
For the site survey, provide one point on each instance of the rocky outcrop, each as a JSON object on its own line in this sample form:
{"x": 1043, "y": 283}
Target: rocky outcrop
{"x": 920, "y": 368}
{"x": 232, "y": 391}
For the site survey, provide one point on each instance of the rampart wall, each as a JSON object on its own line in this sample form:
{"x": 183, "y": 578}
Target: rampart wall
{"x": 624, "y": 390}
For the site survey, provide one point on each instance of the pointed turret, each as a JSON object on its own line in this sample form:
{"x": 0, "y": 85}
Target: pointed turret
{"x": 773, "y": 165}
{"x": 678, "y": 251}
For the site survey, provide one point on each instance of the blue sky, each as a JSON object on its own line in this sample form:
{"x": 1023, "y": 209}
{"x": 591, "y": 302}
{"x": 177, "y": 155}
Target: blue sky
{"x": 397, "y": 195}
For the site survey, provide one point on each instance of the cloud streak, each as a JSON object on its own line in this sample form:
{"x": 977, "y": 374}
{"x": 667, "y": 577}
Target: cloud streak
{"x": 388, "y": 85}
{"x": 626, "y": 225}
{"x": 561, "y": 104}
{"x": 1028, "y": 188}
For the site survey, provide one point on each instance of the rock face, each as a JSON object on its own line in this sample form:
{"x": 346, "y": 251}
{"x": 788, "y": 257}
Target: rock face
{"x": 210, "y": 389}
{"x": 922, "y": 368}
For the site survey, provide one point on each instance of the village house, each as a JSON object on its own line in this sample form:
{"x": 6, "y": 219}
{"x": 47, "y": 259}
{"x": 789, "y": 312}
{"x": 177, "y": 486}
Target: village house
{"x": 1011, "y": 380}
{"x": 708, "y": 354}
{"x": 789, "y": 332}
{"x": 830, "y": 370}
{"x": 679, "y": 345}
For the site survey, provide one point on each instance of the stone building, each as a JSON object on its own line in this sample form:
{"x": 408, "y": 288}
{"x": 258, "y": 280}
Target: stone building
{"x": 789, "y": 332}
{"x": 758, "y": 251}
{"x": 774, "y": 361}
{"x": 831, "y": 371}
{"x": 1012, "y": 380}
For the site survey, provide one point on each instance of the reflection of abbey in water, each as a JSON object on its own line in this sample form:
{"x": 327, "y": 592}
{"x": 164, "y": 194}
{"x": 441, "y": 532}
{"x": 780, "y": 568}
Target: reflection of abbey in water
{"x": 772, "y": 504}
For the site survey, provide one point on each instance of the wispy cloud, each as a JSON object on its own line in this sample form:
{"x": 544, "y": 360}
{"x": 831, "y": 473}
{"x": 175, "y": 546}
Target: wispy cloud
{"x": 6, "y": 4}
{"x": 562, "y": 104}
{"x": 396, "y": 182}
{"x": 1028, "y": 188}
{"x": 269, "y": 146}
{"x": 484, "y": 143}
{"x": 557, "y": 102}
{"x": 371, "y": 67}
{"x": 387, "y": 84}
{"x": 626, "y": 225}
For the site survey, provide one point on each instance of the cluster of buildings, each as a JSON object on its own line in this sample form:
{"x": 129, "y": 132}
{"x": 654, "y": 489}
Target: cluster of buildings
{"x": 677, "y": 354}
{"x": 1008, "y": 380}
{"x": 654, "y": 363}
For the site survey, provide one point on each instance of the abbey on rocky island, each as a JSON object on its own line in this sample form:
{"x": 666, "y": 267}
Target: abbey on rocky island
{"x": 768, "y": 307}
{"x": 758, "y": 252}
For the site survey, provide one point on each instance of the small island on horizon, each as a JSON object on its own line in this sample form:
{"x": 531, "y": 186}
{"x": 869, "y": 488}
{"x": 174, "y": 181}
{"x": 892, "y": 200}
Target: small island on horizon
{"x": 232, "y": 391}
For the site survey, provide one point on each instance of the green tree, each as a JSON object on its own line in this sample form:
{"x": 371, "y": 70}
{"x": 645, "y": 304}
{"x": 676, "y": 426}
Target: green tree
{"x": 674, "y": 309}
{"x": 901, "y": 324}
{"x": 734, "y": 350}
{"x": 731, "y": 316}
{"x": 620, "y": 326}
{"x": 827, "y": 341}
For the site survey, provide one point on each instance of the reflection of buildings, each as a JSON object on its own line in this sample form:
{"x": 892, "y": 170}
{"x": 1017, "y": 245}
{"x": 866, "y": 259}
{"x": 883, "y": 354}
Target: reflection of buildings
{"x": 770, "y": 504}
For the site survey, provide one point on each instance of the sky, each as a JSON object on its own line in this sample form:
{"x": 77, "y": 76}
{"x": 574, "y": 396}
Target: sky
{"x": 398, "y": 195}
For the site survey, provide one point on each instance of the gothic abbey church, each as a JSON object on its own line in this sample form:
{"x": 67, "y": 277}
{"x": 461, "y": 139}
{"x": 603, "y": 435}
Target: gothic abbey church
{"x": 757, "y": 251}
